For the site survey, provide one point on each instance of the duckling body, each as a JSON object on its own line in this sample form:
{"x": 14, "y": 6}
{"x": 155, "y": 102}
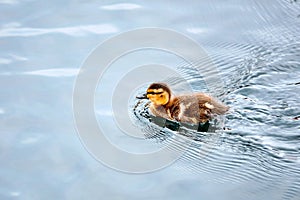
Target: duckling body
{"x": 190, "y": 108}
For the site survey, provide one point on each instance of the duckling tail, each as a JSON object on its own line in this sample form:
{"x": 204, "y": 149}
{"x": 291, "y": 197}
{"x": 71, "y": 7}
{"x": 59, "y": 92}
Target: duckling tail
{"x": 219, "y": 108}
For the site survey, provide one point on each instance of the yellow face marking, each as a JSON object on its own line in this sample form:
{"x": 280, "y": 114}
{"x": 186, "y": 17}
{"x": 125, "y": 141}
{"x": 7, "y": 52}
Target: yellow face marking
{"x": 158, "y": 96}
{"x": 155, "y": 90}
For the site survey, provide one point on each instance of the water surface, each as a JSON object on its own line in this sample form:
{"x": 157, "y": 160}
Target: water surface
{"x": 255, "y": 46}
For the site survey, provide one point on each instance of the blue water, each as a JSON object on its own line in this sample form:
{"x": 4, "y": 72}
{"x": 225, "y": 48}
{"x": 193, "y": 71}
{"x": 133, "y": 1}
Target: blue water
{"x": 255, "y": 46}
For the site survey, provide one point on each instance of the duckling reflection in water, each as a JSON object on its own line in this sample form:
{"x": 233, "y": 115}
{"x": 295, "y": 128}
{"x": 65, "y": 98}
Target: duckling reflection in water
{"x": 192, "y": 108}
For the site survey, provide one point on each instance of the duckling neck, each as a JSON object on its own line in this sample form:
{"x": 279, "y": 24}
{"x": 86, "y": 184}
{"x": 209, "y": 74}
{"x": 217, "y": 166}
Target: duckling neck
{"x": 172, "y": 102}
{"x": 163, "y": 110}
{"x": 172, "y": 108}
{"x": 163, "y": 106}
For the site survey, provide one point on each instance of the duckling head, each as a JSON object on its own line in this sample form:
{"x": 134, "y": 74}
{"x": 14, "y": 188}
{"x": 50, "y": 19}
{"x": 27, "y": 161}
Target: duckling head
{"x": 158, "y": 93}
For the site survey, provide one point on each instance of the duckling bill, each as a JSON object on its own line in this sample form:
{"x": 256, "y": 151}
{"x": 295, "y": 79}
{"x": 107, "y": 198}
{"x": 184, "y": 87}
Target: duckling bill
{"x": 189, "y": 108}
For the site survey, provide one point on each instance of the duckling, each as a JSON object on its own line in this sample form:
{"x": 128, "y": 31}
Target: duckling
{"x": 192, "y": 108}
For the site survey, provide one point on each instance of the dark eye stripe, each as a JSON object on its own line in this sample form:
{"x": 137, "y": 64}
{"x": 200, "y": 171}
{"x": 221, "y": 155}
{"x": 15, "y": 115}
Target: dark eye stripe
{"x": 154, "y": 92}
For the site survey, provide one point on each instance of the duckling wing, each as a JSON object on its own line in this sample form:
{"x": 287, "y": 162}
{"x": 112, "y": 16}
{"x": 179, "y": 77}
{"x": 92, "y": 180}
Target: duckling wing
{"x": 186, "y": 108}
{"x": 195, "y": 108}
{"x": 211, "y": 104}
{"x": 202, "y": 102}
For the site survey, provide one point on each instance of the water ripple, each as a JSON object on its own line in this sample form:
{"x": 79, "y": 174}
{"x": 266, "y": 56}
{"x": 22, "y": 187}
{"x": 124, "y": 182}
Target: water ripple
{"x": 16, "y": 31}
{"x": 60, "y": 72}
{"x": 121, "y": 6}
